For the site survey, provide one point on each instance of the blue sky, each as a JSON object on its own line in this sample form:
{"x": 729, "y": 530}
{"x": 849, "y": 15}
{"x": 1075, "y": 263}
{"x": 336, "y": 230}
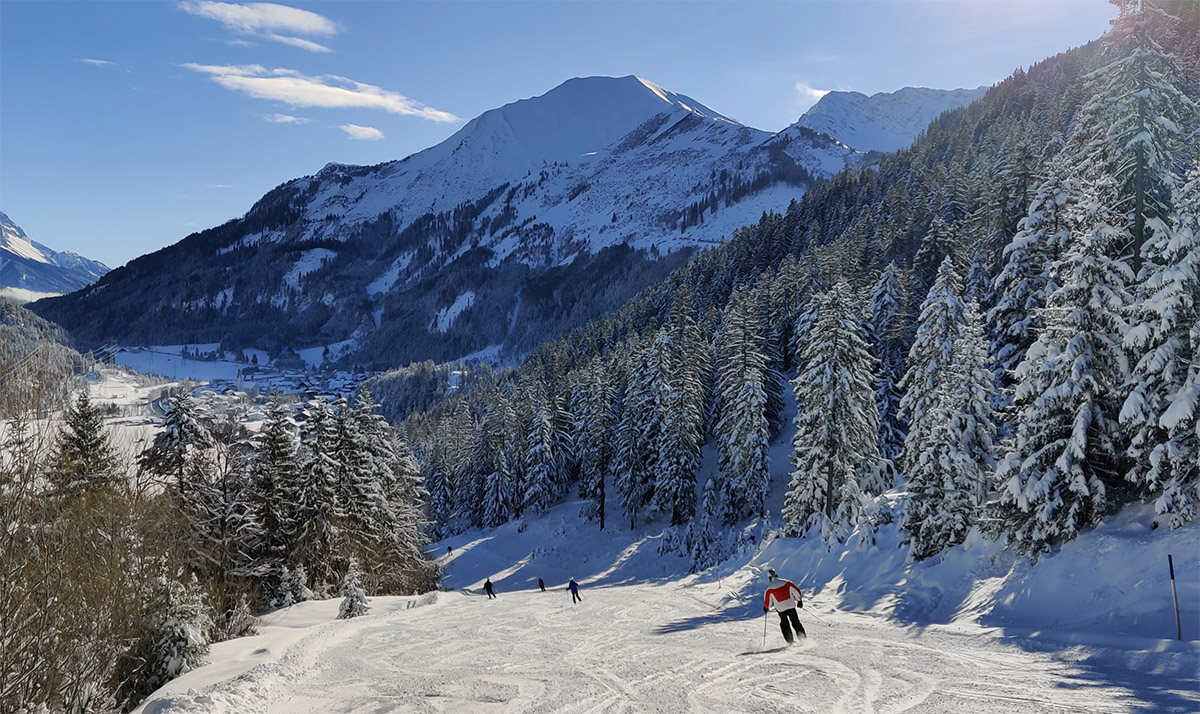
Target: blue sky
{"x": 125, "y": 126}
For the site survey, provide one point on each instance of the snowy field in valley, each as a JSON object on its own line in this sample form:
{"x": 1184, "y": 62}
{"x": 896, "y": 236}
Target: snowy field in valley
{"x": 977, "y": 631}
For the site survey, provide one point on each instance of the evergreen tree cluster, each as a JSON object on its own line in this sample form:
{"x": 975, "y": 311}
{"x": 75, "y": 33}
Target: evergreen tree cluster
{"x": 998, "y": 324}
{"x": 115, "y": 576}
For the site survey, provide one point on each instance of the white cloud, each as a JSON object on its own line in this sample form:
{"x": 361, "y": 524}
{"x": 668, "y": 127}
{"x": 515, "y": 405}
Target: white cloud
{"x": 284, "y": 119}
{"x": 299, "y": 42}
{"x": 808, "y": 93}
{"x": 278, "y": 23}
{"x": 96, "y": 62}
{"x": 365, "y": 133}
{"x": 218, "y": 185}
{"x": 298, "y": 90}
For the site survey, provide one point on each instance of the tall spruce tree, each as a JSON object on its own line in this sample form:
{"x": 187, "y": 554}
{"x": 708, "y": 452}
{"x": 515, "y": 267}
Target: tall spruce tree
{"x": 836, "y": 449}
{"x": 593, "y": 412}
{"x": 949, "y": 456}
{"x": 886, "y": 332}
{"x": 680, "y": 360}
{"x": 941, "y": 322}
{"x": 1024, "y": 281}
{"x": 179, "y": 446}
{"x": 1134, "y": 125}
{"x": 1066, "y": 455}
{"x": 542, "y": 465}
{"x": 310, "y": 503}
{"x": 742, "y": 432}
{"x": 1162, "y": 410}
{"x": 276, "y": 479}
{"x": 83, "y": 456}
{"x": 637, "y": 434}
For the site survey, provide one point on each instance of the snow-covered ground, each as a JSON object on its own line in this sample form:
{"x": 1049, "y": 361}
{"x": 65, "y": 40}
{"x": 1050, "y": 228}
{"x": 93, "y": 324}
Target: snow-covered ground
{"x": 168, "y": 361}
{"x": 1088, "y": 630}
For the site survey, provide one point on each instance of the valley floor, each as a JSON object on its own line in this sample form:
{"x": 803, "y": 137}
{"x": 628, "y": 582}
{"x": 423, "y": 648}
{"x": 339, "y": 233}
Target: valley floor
{"x": 651, "y": 647}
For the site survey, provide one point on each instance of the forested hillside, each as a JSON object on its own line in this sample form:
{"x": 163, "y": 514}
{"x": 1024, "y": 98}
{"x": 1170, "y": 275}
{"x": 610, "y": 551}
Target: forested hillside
{"x": 994, "y": 329}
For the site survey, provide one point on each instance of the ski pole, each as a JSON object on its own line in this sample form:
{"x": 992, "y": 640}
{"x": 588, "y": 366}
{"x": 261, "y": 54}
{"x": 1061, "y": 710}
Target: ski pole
{"x": 764, "y": 629}
{"x": 819, "y": 619}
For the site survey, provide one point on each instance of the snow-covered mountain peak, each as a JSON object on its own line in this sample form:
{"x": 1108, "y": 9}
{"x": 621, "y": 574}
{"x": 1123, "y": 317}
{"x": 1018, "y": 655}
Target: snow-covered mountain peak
{"x": 14, "y": 240}
{"x": 580, "y": 117}
{"x": 595, "y": 173}
{"x": 885, "y": 121}
{"x": 29, "y": 270}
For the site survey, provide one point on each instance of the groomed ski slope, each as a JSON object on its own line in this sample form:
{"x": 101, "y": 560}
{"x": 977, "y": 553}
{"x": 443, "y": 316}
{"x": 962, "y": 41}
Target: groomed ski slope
{"x": 649, "y": 638}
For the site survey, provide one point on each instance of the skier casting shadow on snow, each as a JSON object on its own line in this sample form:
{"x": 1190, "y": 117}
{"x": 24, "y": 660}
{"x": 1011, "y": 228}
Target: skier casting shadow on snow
{"x": 487, "y": 585}
{"x": 574, "y": 588}
{"x": 541, "y": 585}
{"x": 785, "y": 597}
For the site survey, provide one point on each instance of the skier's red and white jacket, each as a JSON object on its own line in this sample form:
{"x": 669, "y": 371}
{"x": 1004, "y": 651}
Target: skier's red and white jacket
{"x": 782, "y": 597}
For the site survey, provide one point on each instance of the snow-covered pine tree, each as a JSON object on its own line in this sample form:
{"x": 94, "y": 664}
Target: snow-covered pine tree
{"x": 491, "y": 461}
{"x": 354, "y": 598}
{"x": 1066, "y": 454}
{"x": 83, "y": 457}
{"x": 593, "y": 412}
{"x": 448, "y": 453}
{"x": 394, "y": 487}
{"x": 562, "y": 443}
{"x": 706, "y": 533}
{"x": 309, "y": 505}
{"x": 498, "y": 496}
{"x": 276, "y": 476}
{"x": 767, "y": 298}
{"x": 977, "y": 281}
{"x": 930, "y": 359}
{"x": 357, "y": 491}
{"x": 173, "y": 639}
{"x": 180, "y": 443}
{"x": 886, "y": 331}
{"x": 541, "y": 467}
{"x": 293, "y": 587}
{"x": 836, "y": 449}
{"x": 437, "y": 480}
{"x": 938, "y": 244}
{"x": 400, "y": 497}
{"x": 950, "y": 472}
{"x": 680, "y": 361}
{"x": 782, "y": 308}
{"x": 637, "y": 434}
{"x": 1162, "y": 410}
{"x": 742, "y": 429}
{"x": 1136, "y": 122}
{"x": 1021, "y": 287}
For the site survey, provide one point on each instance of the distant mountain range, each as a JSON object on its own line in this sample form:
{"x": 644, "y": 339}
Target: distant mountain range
{"x": 533, "y": 218}
{"x": 30, "y": 270}
{"x": 887, "y": 121}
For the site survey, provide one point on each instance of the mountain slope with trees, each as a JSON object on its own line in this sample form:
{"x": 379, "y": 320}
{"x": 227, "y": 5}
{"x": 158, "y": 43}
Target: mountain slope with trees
{"x": 996, "y": 326}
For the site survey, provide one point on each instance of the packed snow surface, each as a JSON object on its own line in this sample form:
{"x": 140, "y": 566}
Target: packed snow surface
{"x": 647, "y": 637}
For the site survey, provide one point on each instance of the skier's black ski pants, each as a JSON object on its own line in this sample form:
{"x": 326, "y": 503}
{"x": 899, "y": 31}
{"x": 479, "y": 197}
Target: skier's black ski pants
{"x": 790, "y": 616}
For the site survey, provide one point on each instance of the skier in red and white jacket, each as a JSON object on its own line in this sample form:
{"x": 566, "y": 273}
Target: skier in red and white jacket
{"x": 785, "y": 597}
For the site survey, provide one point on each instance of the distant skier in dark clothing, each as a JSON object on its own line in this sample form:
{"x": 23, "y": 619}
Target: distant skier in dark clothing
{"x": 784, "y": 596}
{"x": 487, "y": 585}
{"x": 541, "y": 585}
{"x": 574, "y": 588}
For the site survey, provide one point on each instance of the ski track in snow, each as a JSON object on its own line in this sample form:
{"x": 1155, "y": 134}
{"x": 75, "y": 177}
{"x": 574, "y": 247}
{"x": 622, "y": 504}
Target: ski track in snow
{"x": 646, "y": 648}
